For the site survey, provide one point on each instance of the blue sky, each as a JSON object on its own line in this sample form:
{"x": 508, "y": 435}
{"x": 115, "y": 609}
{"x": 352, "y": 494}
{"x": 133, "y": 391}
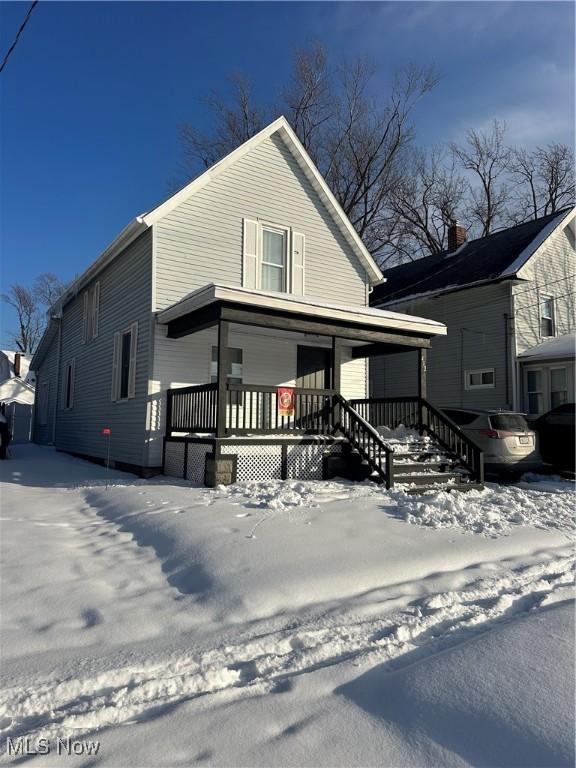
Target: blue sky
{"x": 93, "y": 94}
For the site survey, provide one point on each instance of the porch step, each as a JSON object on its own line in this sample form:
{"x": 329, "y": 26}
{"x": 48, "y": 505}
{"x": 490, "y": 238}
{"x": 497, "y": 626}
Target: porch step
{"x": 462, "y": 487}
{"x": 426, "y": 478}
{"x": 417, "y": 466}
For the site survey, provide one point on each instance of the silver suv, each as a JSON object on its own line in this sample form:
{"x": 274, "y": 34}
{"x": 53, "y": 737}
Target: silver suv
{"x": 508, "y": 443}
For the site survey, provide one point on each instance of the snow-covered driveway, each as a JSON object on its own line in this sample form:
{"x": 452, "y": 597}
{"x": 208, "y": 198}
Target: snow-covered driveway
{"x": 162, "y": 619}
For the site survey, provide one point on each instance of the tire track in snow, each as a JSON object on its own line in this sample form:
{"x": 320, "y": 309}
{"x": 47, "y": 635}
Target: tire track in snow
{"x": 129, "y": 693}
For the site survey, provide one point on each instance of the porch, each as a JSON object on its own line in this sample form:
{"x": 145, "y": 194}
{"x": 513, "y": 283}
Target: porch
{"x": 211, "y": 417}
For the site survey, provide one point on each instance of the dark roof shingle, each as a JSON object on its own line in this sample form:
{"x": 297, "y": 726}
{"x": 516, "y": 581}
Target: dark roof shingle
{"x": 483, "y": 260}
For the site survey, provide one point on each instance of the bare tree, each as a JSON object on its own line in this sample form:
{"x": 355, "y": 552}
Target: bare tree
{"x": 28, "y": 315}
{"x": 234, "y": 123}
{"x": 48, "y": 288}
{"x": 356, "y": 141}
{"x": 544, "y": 180}
{"x": 485, "y": 156}
{"x": 425, "y": 201}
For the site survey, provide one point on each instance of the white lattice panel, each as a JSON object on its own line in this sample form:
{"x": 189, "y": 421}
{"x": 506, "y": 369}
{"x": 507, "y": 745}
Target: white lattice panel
{"x": 305, "y": 462}
{"x": 197, "y": 453}
{"x": 256, "y": 462}
{"x": 174, "y": 459}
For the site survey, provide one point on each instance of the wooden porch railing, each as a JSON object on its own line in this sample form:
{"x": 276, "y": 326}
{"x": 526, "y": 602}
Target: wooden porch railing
{"x": 367, "y": 441}
{"x": 252, "y": 408}
{"x": 418, "y": 413}
{"x": 191, "y": 409}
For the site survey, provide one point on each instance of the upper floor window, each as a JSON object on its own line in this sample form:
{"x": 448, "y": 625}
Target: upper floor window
{"x": 546, "y": 316}
{"x": 91, "y": 318}
{"x": 483, "y": 378}
{"x": 273, "y": 257}
{"x": 273, "y": 261}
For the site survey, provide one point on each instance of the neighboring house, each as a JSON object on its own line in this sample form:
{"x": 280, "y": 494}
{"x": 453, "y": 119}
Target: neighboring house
{"x": 223, "y": 333}
{"x": 17, "y": 393}
{"x": 508, "y": 301}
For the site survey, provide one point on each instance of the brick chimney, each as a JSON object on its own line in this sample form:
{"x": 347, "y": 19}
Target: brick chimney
{"x": 457, "y": 236}
{"x": 17, "y": 357}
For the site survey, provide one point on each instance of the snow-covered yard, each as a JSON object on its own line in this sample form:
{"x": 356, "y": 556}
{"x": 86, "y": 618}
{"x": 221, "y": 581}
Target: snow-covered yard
{"x": 285, "y": 623}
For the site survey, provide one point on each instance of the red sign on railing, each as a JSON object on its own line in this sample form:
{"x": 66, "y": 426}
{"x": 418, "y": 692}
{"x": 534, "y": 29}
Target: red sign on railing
{"x": 286, "y": 401}
{"x": 107, "y": 431}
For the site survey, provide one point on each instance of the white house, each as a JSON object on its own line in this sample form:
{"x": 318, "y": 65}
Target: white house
{"x": 226, "y": 334}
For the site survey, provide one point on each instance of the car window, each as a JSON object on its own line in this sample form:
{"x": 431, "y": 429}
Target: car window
{"x": 511, "y": 422}
{"x": 462, "y": 418}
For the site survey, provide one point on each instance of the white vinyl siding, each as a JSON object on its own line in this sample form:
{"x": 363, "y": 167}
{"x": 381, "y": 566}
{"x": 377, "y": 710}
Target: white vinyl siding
{"x": 125, "y": 298}
{"x": 549, "y": 274}
{"x": 211, "y": 236}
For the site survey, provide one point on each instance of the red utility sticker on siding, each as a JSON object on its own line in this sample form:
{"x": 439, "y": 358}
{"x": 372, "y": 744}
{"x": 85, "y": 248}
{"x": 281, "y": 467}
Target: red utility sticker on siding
{"x": 107, "y": 431}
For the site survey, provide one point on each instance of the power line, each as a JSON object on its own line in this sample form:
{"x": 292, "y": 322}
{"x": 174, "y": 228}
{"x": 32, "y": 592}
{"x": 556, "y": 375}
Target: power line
{"x": 15, "y": 43}
{"x": 542, "y": 285}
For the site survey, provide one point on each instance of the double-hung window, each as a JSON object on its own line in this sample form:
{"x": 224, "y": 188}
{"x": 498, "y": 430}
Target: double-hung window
{"x": 124, "y": 363}
{"x": 273, "y": 257}
{"x": 534, "y": 391}
{"x": 546, "y": 316}
{"x": 274, "y": 245}
{"x": 558, "y": 387}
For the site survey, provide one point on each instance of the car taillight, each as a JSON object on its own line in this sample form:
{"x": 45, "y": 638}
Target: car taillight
{"x": 495, "y": 434}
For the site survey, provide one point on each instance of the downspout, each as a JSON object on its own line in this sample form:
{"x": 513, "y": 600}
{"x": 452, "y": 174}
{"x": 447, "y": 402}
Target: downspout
{"x": 513, "y": 351}
{"x": 57, "y": 398}
{"x": 506, "y": 361}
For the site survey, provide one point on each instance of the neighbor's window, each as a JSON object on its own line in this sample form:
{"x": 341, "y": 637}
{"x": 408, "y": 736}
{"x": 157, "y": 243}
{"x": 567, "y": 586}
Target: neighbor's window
{"x": 124, "y": 363}
{"x": 483, "y": 378}
{"x": 274, "y": 249}
{"x": 546, "y": 316}
{"x": 534, "y": 391}
{"x": 558, "y": 387}
{"x": 69, "y": 376}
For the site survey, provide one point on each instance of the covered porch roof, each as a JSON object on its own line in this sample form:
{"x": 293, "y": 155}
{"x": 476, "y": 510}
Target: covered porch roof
{"x": 387, "y": 331}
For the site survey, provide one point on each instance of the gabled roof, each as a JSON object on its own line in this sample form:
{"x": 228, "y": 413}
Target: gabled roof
{"x": 280, "y": 126}
{"x": 496, "y": 257}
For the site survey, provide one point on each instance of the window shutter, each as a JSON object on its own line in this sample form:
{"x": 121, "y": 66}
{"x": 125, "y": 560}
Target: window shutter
{"x": 297, "y": 261}
{"x": 85, "y": 319}
{"x": 133, "y": 350}
{"x": 116, "y": 365}
{"x": 95, "y": 309}
{"x": 72, "y": 380}
{"x": 250, "y": 254}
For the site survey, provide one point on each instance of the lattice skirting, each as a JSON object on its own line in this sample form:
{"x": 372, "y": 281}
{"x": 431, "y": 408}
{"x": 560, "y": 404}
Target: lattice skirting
{"x": 265, "y": 461}
{"x": 256, "y": 462}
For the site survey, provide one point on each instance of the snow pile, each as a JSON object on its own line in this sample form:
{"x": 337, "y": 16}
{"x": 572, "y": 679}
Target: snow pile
{"x": 495, "y": 509}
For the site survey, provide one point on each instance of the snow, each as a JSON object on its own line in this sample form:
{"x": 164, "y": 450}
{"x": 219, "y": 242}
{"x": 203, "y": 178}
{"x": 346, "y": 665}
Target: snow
{"x": 560, "y": 346}
{"x": 285, "y": 623}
